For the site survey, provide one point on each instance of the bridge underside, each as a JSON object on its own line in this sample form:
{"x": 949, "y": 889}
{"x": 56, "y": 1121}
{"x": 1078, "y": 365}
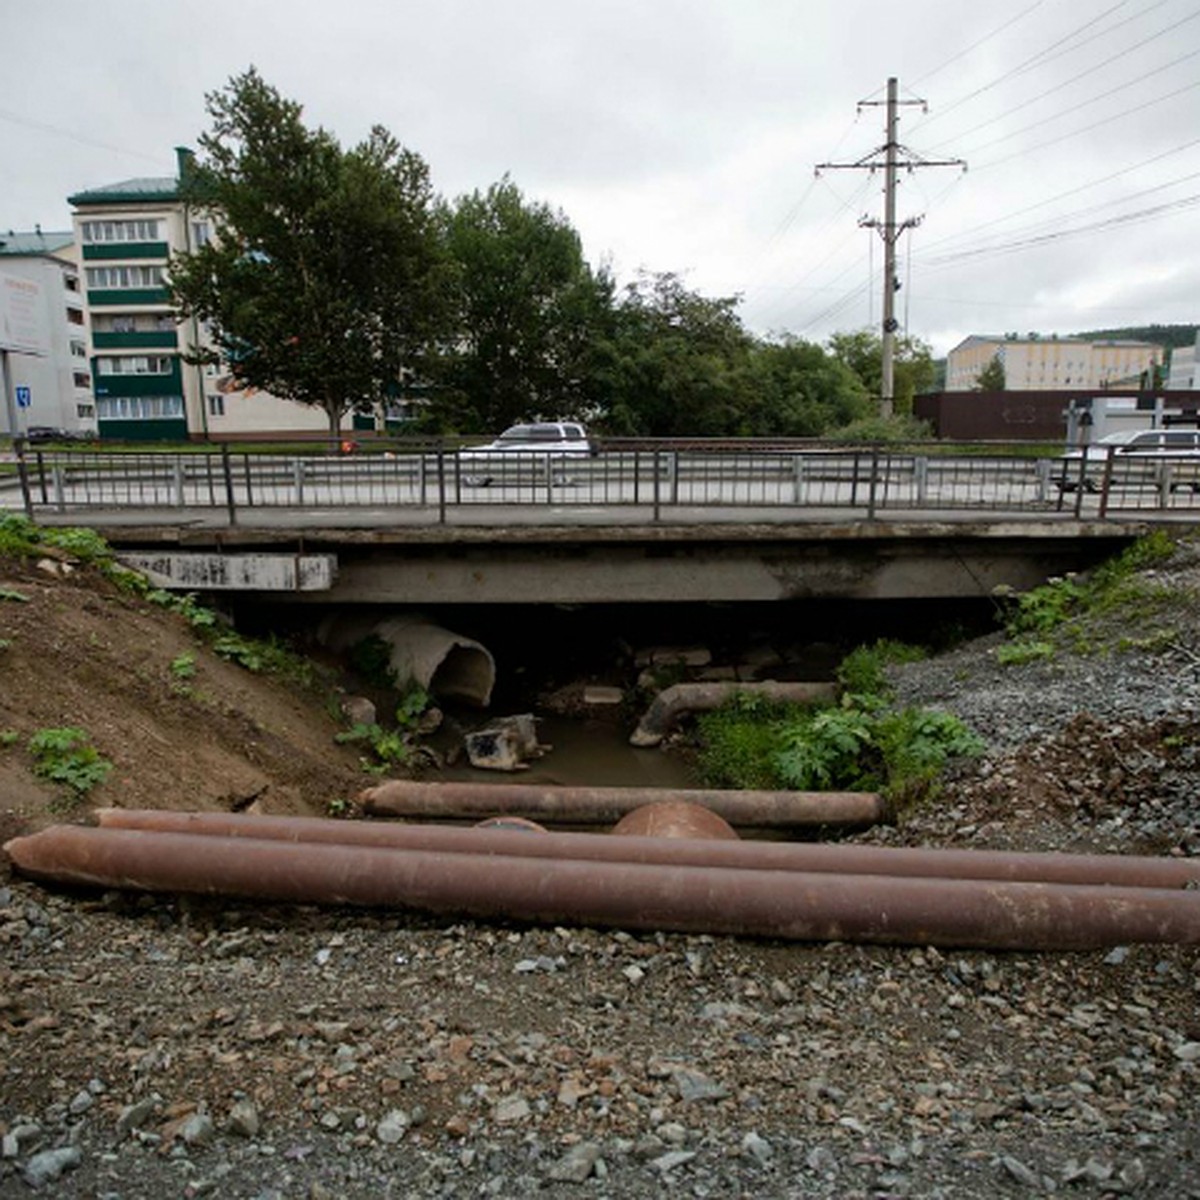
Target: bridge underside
{"x": 582, "y": 567}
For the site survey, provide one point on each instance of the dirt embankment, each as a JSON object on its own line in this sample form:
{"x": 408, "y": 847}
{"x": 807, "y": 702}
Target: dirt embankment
{"x": 182, "y": 727}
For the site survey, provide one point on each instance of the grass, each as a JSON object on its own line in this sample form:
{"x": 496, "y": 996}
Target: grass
{"x": 1073, "y": 611}
{"x": 863, "y": 743}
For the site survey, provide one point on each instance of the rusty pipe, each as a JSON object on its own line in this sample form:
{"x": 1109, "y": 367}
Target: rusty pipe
{"x": 793, "y": 905}
{"x": 606, "y": 805}
{"x": 670, "y": 704}
{"x": 1116, "y": 870}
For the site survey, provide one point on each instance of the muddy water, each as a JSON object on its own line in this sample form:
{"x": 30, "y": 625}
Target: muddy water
{"x": 587, "y": 753}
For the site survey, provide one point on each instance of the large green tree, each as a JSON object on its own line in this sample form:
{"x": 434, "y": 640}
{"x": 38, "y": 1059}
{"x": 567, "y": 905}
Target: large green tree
{"x": 801, "y": 391}
{"x": 325, "y": 282}
{"x": 913, "y": 366}
{"x": 527, "y": 311}
{"x": 679, "y": 362}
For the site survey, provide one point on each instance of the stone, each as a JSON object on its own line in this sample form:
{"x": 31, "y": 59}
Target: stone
{"x": 1020, "y": 1172}
{"x": 511, "y": 1109}
{"x": 758, "y": 1148}
{"x": 358, "y": 710}
{"x": 695, "y": 1087}
{"x": 197, "y": 1129}
{"x": 244, "y": 1120}
{"x": 577, "y": 1164}
{"x": 50, "y": 1165}
{"x": 392, "y": 1127}
{"x": 134, "y": 1116}
{"x": 672, "y": 1159}
{"x": 601, "y": 696}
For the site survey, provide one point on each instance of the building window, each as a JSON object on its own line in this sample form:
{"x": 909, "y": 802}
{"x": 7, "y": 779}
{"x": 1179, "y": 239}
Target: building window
{"x": 123, "y": 324}
{"x": 75, "y": 316}
{"x": 78, "y": 348}
{"x": 201, "y": 233}
{"x": 82, "y": 379}
{"x": 120, "y": 231}
{"x": 135, "y": 364}
{"x": 216, "y": 404}
{"x": 125, "y": 277}
{"x": 86, "y": 411}
{"x": 71, "y": 283}
{"x": 139, "y": 408}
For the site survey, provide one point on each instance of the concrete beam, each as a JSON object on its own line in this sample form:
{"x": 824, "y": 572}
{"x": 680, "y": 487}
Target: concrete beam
{"x": 199, "y": 572}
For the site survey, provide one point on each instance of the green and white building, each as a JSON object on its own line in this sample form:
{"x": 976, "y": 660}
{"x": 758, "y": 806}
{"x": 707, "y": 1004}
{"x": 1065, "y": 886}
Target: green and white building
{"x": 144, "y": 390}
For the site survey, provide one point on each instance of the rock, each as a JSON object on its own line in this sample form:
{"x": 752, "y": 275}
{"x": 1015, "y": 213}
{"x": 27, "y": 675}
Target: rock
{"x": 392, "y": 1127}
{"x": 1188, "y": 1052}
{"x": 134, "y": 1116}
{"x": 505, "y": 744}
{"x": 244, "y": 1119}
{"x": 197, "y": 1129}
{"x": 758, "y": 1148}
{"x": 577, "y": 1164}
{"x": 1020, "y": 1172}
{"x": 672, "y": 1159}
{"x": 358, "y": 710}
{"x": 599, "y": 696}
{"x": 696, "y": 1088}
{"x": 510, "y": 1110}
{"x": 50, "y": 1165}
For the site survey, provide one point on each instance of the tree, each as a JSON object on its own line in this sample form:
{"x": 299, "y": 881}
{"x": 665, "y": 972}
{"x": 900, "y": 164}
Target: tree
{"x": 325, "y": 282}
{"x": 991, "y": 378}
{"x": 800, "y": 391}
{"x": 527, "y": 309}
{"x": 913, "y": 367}
{"x": 679, "y": 362}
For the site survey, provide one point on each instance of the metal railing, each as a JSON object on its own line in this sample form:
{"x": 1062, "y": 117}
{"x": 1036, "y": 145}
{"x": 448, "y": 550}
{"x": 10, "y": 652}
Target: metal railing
{"x": 661, "y": 478}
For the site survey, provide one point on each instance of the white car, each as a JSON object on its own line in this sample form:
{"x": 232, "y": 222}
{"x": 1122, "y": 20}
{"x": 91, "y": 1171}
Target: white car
{"x": 1128, "y": 448}
{"x": 534, "y": 445}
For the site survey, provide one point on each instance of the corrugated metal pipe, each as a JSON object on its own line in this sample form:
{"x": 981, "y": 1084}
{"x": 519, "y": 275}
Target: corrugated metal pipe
{"x": 606, "y": 805}
{"x": 800, "y": 905}
{"x": 673, "y": 702}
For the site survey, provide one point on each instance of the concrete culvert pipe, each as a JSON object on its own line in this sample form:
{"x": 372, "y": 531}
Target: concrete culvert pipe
{"x": 447, "y": 665}
{"x": 669, "y": 705}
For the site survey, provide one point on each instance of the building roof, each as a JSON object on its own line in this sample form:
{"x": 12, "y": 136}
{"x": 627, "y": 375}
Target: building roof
{"x": 15, "y": 243}
{"x": 130, "y": 191}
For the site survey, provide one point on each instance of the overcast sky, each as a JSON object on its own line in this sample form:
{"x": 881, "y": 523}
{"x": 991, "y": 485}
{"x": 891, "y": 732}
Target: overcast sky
{"x": 682, "y": 135}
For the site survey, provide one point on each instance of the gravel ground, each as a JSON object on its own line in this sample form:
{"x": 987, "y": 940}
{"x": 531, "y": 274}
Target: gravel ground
{"x": 171, "y": 1047}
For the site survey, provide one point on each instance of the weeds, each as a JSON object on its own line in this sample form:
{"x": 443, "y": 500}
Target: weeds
{"x": 1055, "y": 613}
{"x": 859, "y": 744}
{"x": 66, "y": 756}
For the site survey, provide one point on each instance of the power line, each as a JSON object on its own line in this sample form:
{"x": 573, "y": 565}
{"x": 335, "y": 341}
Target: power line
{"x": 1083, "y": 187}
{"x": 1066, "y": 112}
{"x": 1041, "y": 56}
{"x": 42, "y": 127}
{"x": 975, "y": 45}
{"x": 1058, "y": 87}
{"x": 1042, "y": 239}
{"x": 1088, "y": 128}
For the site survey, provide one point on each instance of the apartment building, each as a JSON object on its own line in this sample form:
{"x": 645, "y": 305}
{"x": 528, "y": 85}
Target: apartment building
{"x": 1052, "y": 363}
{"x": 144, "y": 390}
{"x": 53, "y": 389}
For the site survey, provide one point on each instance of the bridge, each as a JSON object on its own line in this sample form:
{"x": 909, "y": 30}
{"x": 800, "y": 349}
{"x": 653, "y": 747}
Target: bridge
{"x": 417, "y": 524}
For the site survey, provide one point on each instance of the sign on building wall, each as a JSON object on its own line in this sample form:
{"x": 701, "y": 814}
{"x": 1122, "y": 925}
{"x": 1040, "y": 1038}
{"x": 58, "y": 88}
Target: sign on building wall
{"x": 23, "y": 328}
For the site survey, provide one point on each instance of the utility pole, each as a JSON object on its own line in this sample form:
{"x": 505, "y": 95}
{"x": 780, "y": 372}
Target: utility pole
{"x": 894, "y": 156}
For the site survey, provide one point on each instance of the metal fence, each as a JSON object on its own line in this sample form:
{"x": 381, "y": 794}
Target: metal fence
{"x": 658, "y": 477}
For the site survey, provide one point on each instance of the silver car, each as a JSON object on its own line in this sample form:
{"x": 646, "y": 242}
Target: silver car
{"x": 540, "y": 444}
